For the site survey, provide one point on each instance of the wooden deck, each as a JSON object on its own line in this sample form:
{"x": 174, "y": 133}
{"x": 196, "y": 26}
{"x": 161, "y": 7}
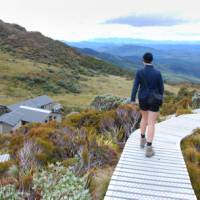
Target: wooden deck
{"x": 161, "y": 177}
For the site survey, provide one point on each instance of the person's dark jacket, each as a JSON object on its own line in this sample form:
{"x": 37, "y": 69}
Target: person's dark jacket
{"x": 152, "y": 77}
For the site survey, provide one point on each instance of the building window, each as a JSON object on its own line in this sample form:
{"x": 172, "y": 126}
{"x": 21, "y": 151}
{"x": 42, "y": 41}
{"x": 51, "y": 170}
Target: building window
{"x": 54, "y": 117}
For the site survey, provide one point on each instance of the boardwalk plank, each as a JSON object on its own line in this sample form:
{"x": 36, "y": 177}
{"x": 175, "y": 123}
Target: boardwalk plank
{"x": 163, "y": 176}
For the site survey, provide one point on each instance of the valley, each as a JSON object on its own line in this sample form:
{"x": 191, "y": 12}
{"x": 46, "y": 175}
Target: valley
{"x": 179, "y": 62}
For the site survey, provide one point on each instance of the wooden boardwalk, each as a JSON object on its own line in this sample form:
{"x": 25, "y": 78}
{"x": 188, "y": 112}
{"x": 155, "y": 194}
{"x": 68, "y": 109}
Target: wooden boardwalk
{"x": 161, "y": 177}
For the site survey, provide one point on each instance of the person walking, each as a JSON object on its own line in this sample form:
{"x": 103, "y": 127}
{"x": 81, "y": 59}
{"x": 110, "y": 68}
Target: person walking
{"x": 149, "y": 81}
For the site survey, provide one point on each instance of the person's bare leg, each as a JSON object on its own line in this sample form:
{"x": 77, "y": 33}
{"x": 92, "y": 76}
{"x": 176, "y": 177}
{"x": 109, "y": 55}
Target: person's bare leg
{"x": 144, "y": 121}
{"x": 143, "y": 126}
{"x": 152, "y": 118}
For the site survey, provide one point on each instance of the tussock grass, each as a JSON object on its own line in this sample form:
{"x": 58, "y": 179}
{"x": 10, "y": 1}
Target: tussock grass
{"x": 191, "y": 150}
{"x": 100, "y": 182}
{"x": 12, "y": 91}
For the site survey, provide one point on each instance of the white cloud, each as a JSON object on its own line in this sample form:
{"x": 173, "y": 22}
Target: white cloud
{"x": 82, "y": 19}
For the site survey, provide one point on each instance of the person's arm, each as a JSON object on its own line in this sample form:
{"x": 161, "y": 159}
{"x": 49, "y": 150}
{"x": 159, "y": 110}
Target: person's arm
{"x": 161, "y": 85}
{"x": 135, "y": 87}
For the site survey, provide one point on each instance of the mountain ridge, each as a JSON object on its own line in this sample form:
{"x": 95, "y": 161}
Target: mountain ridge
{"x": 15, "y": 40}
{"x": 175, "y": 60}
{"x": 32, "y": 64}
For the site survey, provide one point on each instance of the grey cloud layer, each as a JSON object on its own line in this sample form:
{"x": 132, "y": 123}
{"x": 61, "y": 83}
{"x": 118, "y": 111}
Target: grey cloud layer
{"x": 146, "y": 20}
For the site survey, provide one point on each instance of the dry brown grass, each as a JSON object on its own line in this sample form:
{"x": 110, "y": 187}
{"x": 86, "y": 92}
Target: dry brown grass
{"x": 191, "y": 151}
{"x": 99, "y": 85}
{"x": 100, "y": 182}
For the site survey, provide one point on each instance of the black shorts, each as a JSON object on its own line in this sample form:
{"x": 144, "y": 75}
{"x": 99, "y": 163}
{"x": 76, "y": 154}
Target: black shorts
{"x": 148, "y": 107}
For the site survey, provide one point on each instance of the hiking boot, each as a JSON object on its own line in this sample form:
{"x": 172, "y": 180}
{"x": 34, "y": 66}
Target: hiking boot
{"x": 143, "y": 141}
{"x": 149, "y": 151}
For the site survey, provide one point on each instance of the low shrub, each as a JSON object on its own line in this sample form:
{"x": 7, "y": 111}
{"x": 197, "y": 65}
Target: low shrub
{"x": 4, "y": 167}
{"x": 116, "y": 124}
{"x": 191, "y": 152}
{"x": 177, "y": 104}
{"x": 82, "y": 142}
{"x": 10, "y": 192}
{"x": 168, "y": 108}
{"x": 107, "y": 102}
{"x": 57, "y": 182}
{"x": 99, "y": 182}
{"x": 88, "y": 118}
{"x": 50, "y": 87}
{"x": 196, "y": 100}
{"x": 4, "y": 142}
{"x": 181, "y": 111}
{"x": 52, "y": 84}
{"x": 70, "y": 85}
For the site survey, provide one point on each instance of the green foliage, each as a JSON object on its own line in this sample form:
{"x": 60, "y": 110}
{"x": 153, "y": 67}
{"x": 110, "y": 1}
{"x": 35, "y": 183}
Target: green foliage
{"x": 82, "y": 142}
{"x": 56, "y": 86}
{"x": 8, "y": 48}
{"x": 47, "y": 146}
{"x": 4, "y": 142}
{"x": 54, "y": 182}
{"x": 80, "y": 149}
{"x": 13, "y": 171}
{"x": 50, "y": 87}
{"x": 15, "y": 143}
{"x": 177, "y": 104}
{"x": 54, "y": 67}
{"x": 10, "y": 192}
{"x": 4, "y": 167}
{"x": 107, "y": 102}
{"x": 69, "y": 162}
{"x": 57, "y": 182}
{"x": 114, "y": 124}
{"x": 69, "y": 85}
{"x": 31, "y": 81}
{"x": 102, "y": 67}
{"x": 88, "y": 118}
{"x": 168, "y": 108}
{"x": 183, "y": 92}
{"x": 196, "y": 100}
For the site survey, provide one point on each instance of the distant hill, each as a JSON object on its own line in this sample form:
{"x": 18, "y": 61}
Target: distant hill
{"x": 115, "y": 59}
{"x": 128, "y": 41}
{"x": 179, "y": 62}
{"x": 35, "y": 46}
{"x": 35, "y": 63}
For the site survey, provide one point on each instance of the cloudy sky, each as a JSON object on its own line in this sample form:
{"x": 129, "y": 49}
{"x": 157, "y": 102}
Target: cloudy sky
{"x": 75, "y": 20}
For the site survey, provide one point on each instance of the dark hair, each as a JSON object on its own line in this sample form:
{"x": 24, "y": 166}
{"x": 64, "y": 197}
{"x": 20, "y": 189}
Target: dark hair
{"x": 148, "y": 57}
